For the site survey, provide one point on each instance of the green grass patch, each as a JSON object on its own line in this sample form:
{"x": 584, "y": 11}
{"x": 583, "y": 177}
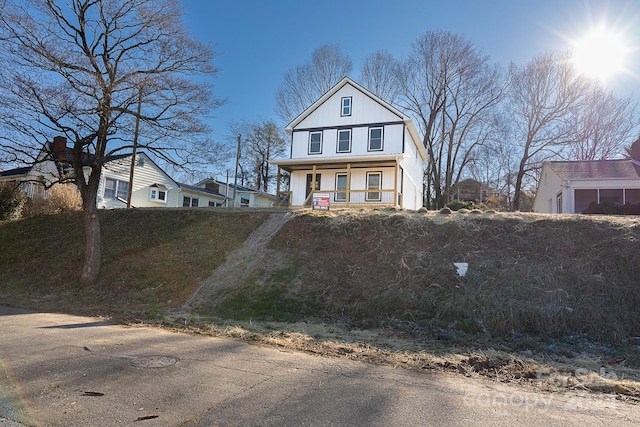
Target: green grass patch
{"x": 267, "y": 302}
{"x": 152, "y": 258}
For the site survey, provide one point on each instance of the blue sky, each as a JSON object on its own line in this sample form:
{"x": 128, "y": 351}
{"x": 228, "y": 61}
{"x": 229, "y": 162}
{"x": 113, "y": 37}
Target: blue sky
{"x": 257, "y": 41}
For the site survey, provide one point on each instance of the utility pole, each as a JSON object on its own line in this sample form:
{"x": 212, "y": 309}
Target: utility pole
{"x": 235, "y": 179}
{"x": 135, "y": 148}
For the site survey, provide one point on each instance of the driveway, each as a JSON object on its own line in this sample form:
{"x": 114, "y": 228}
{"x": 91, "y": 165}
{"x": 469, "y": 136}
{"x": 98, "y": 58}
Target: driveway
{"x": 61, "y": 370}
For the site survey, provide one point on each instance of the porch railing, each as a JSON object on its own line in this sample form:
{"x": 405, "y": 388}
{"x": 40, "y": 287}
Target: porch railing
{"x": 360, "y": 198}
{"x": 283, "y": 198}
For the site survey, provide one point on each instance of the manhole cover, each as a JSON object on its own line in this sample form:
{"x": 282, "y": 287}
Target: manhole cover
{"x": 154, "y": 361}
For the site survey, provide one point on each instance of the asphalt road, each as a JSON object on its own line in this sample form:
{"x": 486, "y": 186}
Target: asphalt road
{"x": 60, "y": 370}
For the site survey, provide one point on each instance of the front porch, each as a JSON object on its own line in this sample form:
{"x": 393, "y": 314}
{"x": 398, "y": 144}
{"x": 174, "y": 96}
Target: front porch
{"x": 367, "y": 183}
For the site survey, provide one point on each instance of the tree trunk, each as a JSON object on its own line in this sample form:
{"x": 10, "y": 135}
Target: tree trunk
{"x": 93, "y": 247}
{"x": 93, "y": 244}
{"x": 518, "y": 188}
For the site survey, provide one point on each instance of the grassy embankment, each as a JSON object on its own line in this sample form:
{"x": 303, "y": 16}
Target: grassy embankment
{"x": 550, "y": 289}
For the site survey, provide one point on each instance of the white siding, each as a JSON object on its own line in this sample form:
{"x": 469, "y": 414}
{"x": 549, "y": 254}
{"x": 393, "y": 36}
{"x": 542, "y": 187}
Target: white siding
{"x": 548, "y": 188}
{"x": 363, "y": 110}
{"x": 328, "y": 183}
{"x": 413, "y": 182}
{"x": 392, "y": 141}
{"x": 203, "y": 199}
{"x": 145, "y": 175}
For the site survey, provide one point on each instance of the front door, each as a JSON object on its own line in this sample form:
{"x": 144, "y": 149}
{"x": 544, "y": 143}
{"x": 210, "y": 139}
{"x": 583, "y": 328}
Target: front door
{"x": 309, "y": 200}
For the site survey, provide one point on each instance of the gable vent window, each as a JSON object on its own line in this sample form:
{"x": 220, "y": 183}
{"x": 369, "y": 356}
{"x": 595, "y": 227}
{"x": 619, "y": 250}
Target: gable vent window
{"x": 346, "y": 106}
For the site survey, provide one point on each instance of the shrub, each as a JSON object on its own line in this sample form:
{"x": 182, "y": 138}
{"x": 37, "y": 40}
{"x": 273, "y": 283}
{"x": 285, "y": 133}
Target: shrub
{"x": 498, "y": 204}
{"x": 60, "y": 198}
{"x": 609, "y": 208}
{"x": 456, "y": 205}
{"x": 11, "y": 200}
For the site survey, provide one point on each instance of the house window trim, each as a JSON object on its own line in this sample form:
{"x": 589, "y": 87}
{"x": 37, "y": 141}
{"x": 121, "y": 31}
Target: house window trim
{"x": 370, "y": 190}
{"x": 337, "y": 195}
{"x": 344, "y": 107}
{"x": 118, "y": 183}
{"x": 191, "y": 200}
{"x": 320, "y": 143}
{"x": 559, "y": 197}
{"x": 381, "y": 139}
{"x": 154, "y": 194}
{"x": 338, "y": 141}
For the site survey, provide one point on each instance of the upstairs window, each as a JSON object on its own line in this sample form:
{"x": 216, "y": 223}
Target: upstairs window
{"x": 375, "y": 139}
{"x": 115, "y": 189}
{"x": 346, "y": 106}
{"x": 315, "y": 142}
{"x": 344, "y": 141}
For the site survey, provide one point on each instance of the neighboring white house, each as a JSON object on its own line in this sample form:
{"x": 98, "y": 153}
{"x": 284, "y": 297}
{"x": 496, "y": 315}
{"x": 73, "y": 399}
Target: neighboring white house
{"x": 570, "y": 187}
{"x": 357, "y": 149}
{"x": 35, "y": 179}
{"x": 152, "y": 187}
{"x": 245, "y": 196}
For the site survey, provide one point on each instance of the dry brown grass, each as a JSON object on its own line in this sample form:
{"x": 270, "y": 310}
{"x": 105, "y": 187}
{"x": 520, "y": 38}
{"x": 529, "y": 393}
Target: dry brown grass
{"x": 61, "y": 198}
{"x": 527, "y": 273}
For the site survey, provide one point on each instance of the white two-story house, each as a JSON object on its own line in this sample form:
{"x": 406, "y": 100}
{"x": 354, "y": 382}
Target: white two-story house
{"x": 355, "y": 148}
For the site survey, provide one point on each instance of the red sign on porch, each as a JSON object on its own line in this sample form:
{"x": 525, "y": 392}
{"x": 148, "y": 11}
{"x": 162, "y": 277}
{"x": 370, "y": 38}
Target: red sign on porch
{"x": 321, "y": 202}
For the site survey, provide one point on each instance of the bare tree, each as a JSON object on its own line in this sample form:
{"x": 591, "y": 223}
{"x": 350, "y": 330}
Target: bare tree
{"x": 261, "y": 141}
{"x": 451, "y": 90}
{"x": 545, "y": 95}
{"x": 78, "y": 68}
{"x": 605, "y": 124}
{"x": 306, "y": 83}
{"x": 379, "y": 73}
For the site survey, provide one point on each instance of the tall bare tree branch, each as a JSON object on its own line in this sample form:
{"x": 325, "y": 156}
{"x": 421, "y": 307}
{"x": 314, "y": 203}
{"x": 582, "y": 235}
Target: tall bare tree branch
{"x": 76, "y": 68}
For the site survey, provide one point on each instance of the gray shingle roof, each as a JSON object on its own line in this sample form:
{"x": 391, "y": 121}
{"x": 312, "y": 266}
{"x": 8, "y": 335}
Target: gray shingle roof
{"x": 16, "y": 171}
{"x": 594, "y": 169}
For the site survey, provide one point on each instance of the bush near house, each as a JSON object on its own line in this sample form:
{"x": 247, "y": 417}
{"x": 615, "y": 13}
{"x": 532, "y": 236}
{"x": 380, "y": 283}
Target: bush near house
{"x": 609, "y": 208}
{"x": 11, "y": 201}
{"x": 456, "y": 205}
{"x": 60, "y": 198}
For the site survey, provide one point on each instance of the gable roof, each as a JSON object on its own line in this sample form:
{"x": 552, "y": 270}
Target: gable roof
{"x": 241, "y": 188}
{"x": 594, "y": 169}
{"x": 15, "y": 172}
{"x": 347, "y": 81}
{"x": 199, "y": 189}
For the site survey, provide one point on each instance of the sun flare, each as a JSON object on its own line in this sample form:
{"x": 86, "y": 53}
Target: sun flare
{"x": 601, "y": 54}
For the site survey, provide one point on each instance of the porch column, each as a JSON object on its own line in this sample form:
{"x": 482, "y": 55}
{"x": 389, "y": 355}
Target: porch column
{"x": 313, "y": 183}
{"x": 395, "y": 184}
{"x": 278, "y": 176}
{"x": 348, "y": 184}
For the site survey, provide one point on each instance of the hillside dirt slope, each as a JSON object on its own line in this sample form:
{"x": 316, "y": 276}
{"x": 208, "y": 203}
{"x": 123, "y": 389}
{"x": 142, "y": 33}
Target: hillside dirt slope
{"x": 531, "y": 273}
{"x": 559, "y": 291}
{"x": 241, "y": 262}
